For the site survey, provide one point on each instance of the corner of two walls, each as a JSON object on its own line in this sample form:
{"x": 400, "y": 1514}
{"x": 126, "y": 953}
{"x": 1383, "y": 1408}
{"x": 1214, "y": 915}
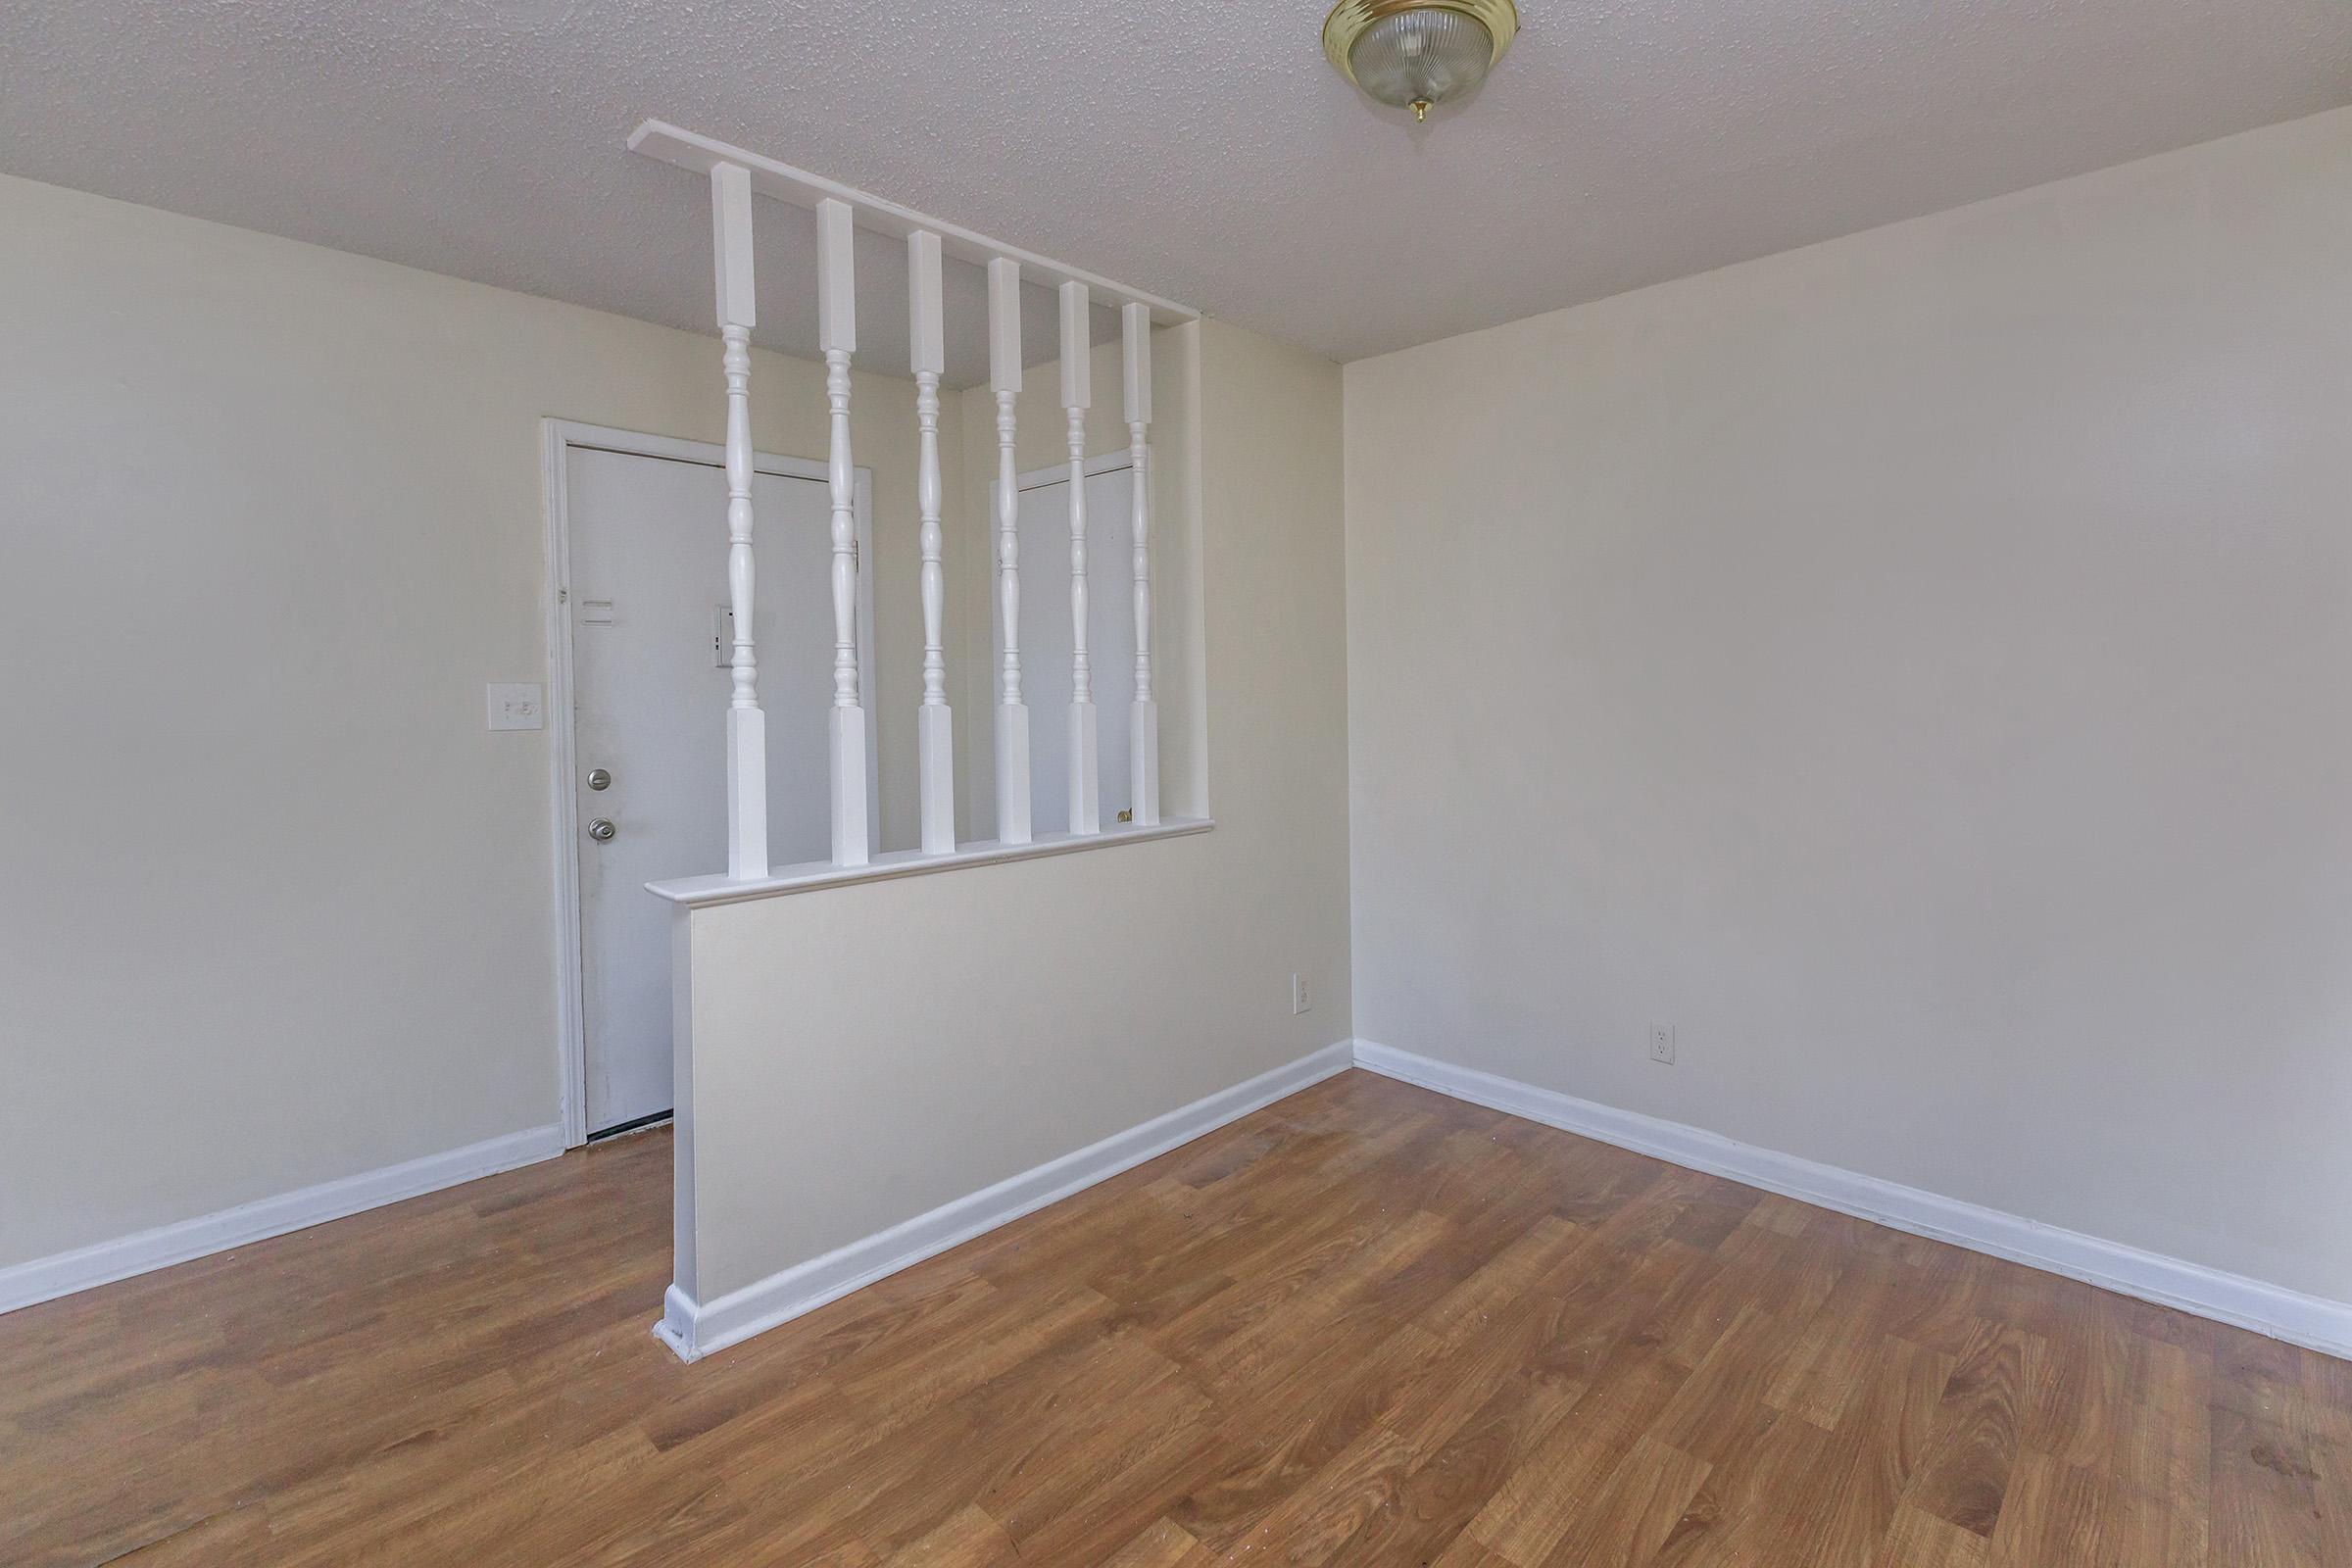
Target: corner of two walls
{"x": 1914, "y": 666}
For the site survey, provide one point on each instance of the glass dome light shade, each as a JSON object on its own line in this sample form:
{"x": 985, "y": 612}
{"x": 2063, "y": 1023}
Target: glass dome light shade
{"x": 1421, "y": 56}
{"x": 1415, "y": 53}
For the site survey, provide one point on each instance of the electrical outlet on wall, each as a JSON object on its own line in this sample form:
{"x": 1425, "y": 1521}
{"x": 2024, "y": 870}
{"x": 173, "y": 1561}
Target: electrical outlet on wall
{"x": 1299, "y": 999}
{"x": 1661, "y": 1043}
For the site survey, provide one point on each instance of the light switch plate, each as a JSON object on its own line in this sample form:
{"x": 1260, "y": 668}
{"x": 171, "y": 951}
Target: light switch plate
{"x": 518, "y": 704}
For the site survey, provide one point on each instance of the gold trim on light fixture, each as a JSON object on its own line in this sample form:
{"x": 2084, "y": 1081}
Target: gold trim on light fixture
{"x": 1349, "y": 18}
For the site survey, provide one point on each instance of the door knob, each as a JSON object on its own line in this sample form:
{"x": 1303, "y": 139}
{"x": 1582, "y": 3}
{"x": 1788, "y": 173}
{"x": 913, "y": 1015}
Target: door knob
{"x": 601, "y": 829}
{"x": 599, "y": 779}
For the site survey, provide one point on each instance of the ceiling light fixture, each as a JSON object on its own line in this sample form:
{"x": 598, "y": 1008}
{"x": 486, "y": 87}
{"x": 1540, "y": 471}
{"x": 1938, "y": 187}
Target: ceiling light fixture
{"x": 1418, "y": 53}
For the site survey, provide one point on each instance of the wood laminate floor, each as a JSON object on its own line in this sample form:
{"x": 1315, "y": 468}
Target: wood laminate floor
{"x": 1366, "y": 1326}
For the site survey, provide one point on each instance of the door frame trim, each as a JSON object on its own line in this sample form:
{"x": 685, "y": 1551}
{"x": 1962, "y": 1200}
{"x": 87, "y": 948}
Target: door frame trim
{"x": 557, "y": 438}
{"x": 1116, "y": 461}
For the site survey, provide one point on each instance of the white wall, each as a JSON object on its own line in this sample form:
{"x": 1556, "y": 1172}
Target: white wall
{"x": 862, "y": 1054}
{"x": 1917, "y": 667}
{"x": 277, "y": 906}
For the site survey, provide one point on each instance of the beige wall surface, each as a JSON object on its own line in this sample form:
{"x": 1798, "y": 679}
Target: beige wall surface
{"x": 863, "y": 1054}
{"x": 1916, "y": 667}
{"x": 278, "y": 906}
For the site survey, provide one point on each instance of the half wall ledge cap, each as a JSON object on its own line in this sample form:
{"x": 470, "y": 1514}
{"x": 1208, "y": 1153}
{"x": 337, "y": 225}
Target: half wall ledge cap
{"x": 695, "y": 892}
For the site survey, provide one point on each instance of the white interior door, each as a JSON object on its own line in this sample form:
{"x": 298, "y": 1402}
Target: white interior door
{"x": 648, "y": 597}
{"x": 1045, "y": 538}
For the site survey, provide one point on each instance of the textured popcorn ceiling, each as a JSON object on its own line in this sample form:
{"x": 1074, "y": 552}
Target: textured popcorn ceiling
{"x": 1201, "y": 149}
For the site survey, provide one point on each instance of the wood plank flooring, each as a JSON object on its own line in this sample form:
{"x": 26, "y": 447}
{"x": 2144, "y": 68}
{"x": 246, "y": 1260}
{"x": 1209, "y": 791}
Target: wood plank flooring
{"x": 1365, "y": 1326}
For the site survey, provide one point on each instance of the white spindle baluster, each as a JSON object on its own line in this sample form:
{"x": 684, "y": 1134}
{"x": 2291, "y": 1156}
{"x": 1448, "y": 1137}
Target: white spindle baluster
{"x": 1086, "y": 805}
{"x": 1012, "y": 714}
{"x": 837, "y": 336}
{"x": 747, "y": 725}
{"x": 1142, "y": 714}
{"x": 935, "y": 734}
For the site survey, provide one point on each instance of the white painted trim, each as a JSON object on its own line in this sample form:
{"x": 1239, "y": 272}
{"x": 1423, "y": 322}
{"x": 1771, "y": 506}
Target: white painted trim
{"x": 780, "y": 181}
{"x": 1118, "y": 461}
{"x": 572, "y": 1030}
{"x": 810, "y": 875}
{"x": 677, "y": 449}
{"x": 62, "y": 1274}
{"x": 557, "y": 437}
{"x": 695, "y": 1330}
{"x": 2310, "y": 1321}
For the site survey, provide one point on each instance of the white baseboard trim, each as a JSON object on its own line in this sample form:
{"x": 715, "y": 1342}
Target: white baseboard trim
{"x": 695, "y": 1330}
{"x": 2311, "y": 1321}
{"x": 44, "y": 1279}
